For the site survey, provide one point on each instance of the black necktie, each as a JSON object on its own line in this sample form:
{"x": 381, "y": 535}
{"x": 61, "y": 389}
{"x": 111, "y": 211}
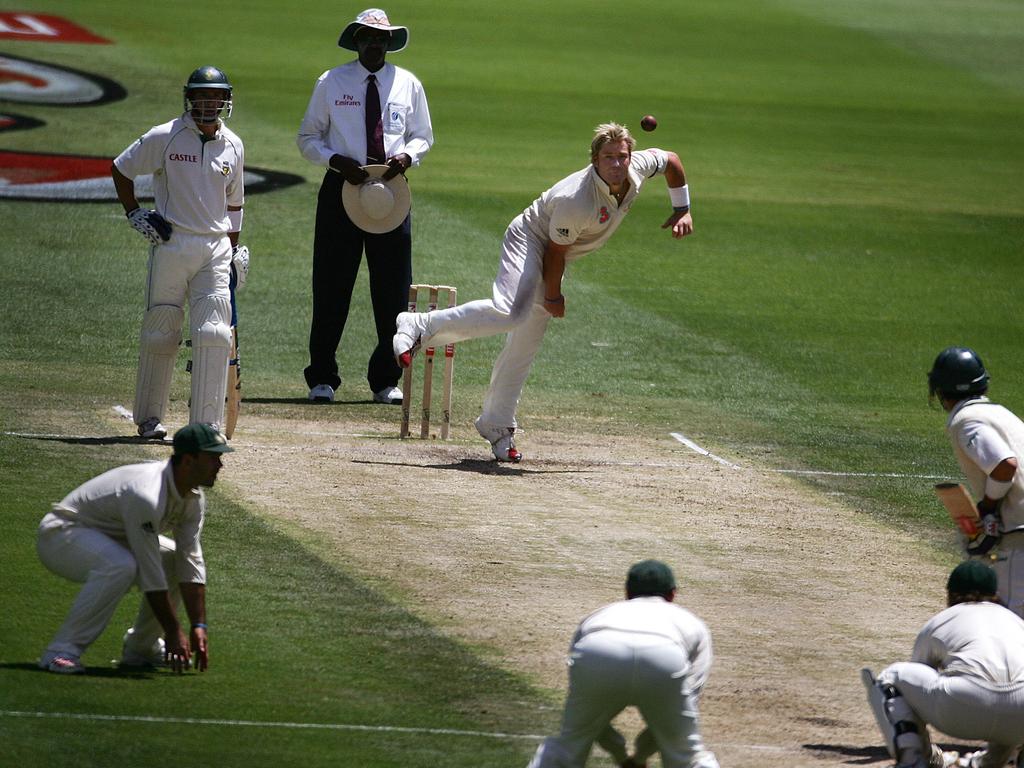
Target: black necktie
{"x": 374, "y": 126}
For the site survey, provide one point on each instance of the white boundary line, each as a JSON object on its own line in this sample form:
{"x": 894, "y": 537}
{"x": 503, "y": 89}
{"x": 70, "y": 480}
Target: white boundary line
{"x": 821, "y": 472}
{"x": 163, "y": 720}
{"x": 262, "y": 724}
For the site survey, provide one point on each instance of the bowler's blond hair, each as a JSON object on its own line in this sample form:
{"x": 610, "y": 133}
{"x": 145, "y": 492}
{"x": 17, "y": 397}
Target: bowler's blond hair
{"x": 606, "y": 132}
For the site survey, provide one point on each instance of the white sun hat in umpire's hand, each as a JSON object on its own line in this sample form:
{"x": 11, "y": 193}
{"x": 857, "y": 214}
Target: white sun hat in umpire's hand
{"x": 377, "y": 206}
{"x": 377, "y": 19}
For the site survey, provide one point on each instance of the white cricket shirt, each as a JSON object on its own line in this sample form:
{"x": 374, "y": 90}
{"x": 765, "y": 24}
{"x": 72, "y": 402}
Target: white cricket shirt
{"x": 981, "y": 640}
{"x": 133, "y": 505}
{"x": 646, "y": 619}
{"x": 983, "y": 434}
{"x": 335, "y": 120}
{"x": 194, "y": 181}
{"x": 580, "y": 212}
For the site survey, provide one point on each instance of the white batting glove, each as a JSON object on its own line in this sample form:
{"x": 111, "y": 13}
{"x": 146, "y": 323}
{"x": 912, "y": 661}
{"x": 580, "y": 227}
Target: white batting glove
{"x": 151, "y": 225}
{"x": 240, "y": 265}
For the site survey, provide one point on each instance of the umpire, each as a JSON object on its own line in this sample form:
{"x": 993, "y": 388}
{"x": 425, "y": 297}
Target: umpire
{"x": 362, "y": 116}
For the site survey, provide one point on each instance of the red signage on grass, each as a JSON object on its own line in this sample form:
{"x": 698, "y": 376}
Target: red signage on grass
{"x": 43, "y": 28}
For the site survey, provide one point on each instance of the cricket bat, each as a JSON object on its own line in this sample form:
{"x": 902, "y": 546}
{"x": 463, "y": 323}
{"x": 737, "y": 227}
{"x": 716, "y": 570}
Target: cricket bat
{"x": 960, "y": 505}
{"x": 234, "y": 394}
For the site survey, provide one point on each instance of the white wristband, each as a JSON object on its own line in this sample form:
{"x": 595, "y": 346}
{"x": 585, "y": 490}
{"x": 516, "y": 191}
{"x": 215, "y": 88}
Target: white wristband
{"x": 996, "y": 489}
{"x": 680, "y": 196}
{"x": 235, "y": 217}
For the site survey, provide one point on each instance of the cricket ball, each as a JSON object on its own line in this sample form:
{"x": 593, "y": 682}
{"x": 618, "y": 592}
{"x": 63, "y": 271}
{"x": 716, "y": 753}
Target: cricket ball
{"x": 648, "y": 122}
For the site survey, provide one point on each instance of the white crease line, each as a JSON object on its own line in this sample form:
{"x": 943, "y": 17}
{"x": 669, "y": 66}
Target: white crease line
{"x": 316, "y": 726}
{"x": 264, "y": 724}
{"x": 703, "y": 452}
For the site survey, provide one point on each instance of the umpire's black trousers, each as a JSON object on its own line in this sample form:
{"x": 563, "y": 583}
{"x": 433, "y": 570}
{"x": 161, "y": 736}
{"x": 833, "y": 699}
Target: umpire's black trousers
{"x": 338, "y": 246}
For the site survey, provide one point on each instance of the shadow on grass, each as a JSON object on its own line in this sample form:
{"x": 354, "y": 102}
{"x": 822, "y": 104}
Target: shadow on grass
{"x": 478, "y": 466}
{"x": 92, "y": 439}
{"x": 306, "y": 401}
{"x": 125, "y": 673}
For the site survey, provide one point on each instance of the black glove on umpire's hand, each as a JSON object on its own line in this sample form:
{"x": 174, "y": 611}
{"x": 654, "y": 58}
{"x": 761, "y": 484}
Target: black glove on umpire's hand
{"x": 350, "y": 170}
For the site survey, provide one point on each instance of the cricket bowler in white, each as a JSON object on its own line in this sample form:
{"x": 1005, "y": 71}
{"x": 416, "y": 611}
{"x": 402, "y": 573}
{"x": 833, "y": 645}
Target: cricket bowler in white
{"x": 644, "y": 651}
{"x": 988, "y": 441}
{"x": 197, "y": 164}
{"x": 573, "y": 218}
{"x": 107, "y": 534}
{"x": 965, "y": 678}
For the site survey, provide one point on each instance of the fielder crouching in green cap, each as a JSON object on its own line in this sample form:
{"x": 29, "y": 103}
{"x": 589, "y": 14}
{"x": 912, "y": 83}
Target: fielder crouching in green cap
{"x": 106, "y": 535}
{"x": 965, "y": 678}
{"x": 643, "y": 651}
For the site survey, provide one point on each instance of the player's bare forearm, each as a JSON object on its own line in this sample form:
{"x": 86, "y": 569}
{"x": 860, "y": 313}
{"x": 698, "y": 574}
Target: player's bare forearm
{"x": 675, "y": 174}
{"x": 194, "y": 597}
{"x": 553, "y": 269}
{"x": 680, "y": 222}
{"x": 176, "y": 646}
{"x": 125, "y": 189}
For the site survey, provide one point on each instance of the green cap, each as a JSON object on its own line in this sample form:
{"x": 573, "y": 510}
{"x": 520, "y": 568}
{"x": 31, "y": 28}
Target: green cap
{"x": 649, "y": 577}
{"x": 196, "y": 438}
{"x": 972, "y": 576}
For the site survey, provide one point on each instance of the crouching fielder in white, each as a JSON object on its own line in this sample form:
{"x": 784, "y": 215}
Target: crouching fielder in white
{"x": 646, "y": 652}
{"x": 573, "y": 218}
{"x": 106, "y": 534}
{"x": 965, "y": 678}
{"x": 197, "y": 166}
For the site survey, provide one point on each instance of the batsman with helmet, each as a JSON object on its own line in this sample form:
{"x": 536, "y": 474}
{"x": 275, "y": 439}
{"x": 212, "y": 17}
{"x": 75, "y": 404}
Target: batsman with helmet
{"x": 988, "y": 441}
{"x": 197, "y": 165}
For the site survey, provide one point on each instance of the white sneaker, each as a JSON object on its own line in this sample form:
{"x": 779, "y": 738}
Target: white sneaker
{"x": 152, "y": 429}
{"x": 407, "y": 337}
{"x": 152, "y": 658}
{"x": 322, "y": 393}
{"x": 61, "y": 663}
{"x": 388, "y": 396}
{"x": 502, "y": 440}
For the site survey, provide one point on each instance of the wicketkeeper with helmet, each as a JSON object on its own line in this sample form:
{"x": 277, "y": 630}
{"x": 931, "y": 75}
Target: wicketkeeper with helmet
{"x": 197, "y": 167}
{"x": 988, "y": 441}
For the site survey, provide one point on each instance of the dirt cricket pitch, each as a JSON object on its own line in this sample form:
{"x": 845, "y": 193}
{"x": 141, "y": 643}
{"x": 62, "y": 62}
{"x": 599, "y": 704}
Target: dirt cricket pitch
{"x": 799, "y": 590}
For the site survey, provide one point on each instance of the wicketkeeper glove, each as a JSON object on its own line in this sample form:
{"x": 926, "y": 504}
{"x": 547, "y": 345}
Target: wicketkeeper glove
{"x": 151, "y": 225}
{"x": 239, "y": 266}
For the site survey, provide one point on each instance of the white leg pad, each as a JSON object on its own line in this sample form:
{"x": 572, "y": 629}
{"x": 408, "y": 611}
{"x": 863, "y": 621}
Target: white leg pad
{"x": 158, "y": 350}
{"x": 896, "y": 720}
{"x": 211, "y": 349}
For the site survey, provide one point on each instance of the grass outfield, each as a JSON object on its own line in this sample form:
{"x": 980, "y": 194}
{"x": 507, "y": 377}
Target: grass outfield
{"x": 856, "y": 180}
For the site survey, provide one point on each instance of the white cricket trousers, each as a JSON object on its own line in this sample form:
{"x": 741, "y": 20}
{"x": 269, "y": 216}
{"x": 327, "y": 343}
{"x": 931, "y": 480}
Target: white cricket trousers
{"x": 197, "y": 269}
{"x": 516, "y": 308}
{"x": 107, "y": 570}
{"x": 610, "y": 670}
{"x": 964, "y": 707}
{"x": 1009, "y": 568}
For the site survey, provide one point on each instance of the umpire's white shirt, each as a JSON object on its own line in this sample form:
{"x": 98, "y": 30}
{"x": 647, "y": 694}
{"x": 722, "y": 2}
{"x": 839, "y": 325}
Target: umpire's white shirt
{"x": 335, "y": 120}
{"x": 194, "y": 181}
{"x": 133, "y": 505}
